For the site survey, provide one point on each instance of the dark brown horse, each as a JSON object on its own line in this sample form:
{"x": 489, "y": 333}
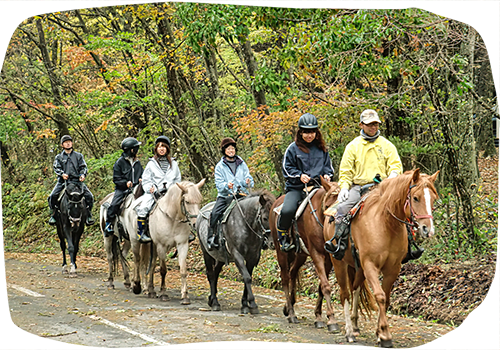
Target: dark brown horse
{"x": 310, "y": 231}
{"x": 380, "y": 235}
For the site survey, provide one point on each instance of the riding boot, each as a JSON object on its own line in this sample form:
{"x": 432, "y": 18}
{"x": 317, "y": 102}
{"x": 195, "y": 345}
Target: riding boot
{"x": 212, "y": 239}
{"x": 413, "y": 254}
{"x": 283, "y": 238}
{"x": 141, "y": 235}
{"x": 342, "y": 236}
{"x": 52, "y": 220}
{"x": 90, "y": 220}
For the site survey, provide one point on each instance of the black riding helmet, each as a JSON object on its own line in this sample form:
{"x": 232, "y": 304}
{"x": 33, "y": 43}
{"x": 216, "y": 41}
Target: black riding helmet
{"x": 66, "y": 138}
{"x": 163, "y": 139}
{"x": 130, "y": 146}
{"x": 225, "y": 143}
{"x": 308, "y": 121}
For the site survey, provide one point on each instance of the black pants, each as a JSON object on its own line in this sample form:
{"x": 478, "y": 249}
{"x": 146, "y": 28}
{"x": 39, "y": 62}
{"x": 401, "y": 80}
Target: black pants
{"x": 114, "y": 207}
{"x": 89, "y": 198}
{"x": 290, "y": 205}
{"x": 220, "y": 206}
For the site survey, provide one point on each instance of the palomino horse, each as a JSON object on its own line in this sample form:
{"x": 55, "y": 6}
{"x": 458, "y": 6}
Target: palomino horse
{"x": 397, "y": 208}
{"x": 70, "y": 222}
{"x": 244, "y": 233}
{"x": 117, "y": 245}
{"x": 310, "y": 230}
{"x": 170, "y": 224}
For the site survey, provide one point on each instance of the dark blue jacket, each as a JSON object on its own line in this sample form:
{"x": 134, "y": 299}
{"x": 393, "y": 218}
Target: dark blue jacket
{"x": 71, "y": 164}
{"x": 124, "y": 171}
{"x": 313, "y": 164}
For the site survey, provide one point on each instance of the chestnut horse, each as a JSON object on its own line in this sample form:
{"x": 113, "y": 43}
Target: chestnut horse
{"x": 380, "y": 235}
{"x": 310, "y": 230}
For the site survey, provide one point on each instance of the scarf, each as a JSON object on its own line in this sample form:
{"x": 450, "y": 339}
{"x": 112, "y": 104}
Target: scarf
{"x": 164, "y": 164}
{"x": 369, "y": 138}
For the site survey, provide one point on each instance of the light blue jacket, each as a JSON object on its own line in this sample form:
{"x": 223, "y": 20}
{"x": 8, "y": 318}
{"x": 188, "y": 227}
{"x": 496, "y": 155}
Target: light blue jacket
{"x": 224, "y": 175}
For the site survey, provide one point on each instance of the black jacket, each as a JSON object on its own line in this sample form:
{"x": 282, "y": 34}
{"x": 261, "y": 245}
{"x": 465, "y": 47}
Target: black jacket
{"x": 313, "y": 164}
{"x": 123, "y": 172}
{"x": 72, "y": 164}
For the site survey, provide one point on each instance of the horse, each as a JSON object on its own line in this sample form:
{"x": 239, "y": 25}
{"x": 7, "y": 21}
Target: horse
{"x": 309, "y": 228}
{"x": 70, "y": 223}
{"x": 117, "y": 246}
{"x": 392, "y": 214}
{"x": 244, "y": 233}
{"x": 170, "y": 223}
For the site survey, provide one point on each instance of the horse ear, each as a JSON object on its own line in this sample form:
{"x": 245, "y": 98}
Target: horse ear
{"x": 262, "y": 199}
{"x": 183, "y": 189}
{"x": 434, "y": 176}
{"x": 416, "y": 175}
{"x": 201, "y": 183}
{"x": 326, "y": 185}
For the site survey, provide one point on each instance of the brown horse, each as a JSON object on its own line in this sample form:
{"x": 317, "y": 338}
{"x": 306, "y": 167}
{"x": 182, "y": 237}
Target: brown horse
{"x": 380, "y": 235}
{"x": 310, "y": 231}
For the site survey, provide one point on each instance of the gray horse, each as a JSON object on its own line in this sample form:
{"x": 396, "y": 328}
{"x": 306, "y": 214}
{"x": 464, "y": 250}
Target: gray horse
{"x": 244, "y": 231}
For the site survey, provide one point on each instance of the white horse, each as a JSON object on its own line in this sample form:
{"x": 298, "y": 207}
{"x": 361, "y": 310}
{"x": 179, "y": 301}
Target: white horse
{"x": 118, "y": 245}
{"x": 170, "y": 223}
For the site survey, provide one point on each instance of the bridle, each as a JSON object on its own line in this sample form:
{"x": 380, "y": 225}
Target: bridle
{"x": 72, "y": 220}
{"x": 410, "y": 222}
{"x": 188, "y": 215}
{"x": 258, "y": 218}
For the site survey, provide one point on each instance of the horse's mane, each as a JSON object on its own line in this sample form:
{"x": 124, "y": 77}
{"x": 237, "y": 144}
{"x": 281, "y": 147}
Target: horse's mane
{"x": 171, "y": 203}
{"x": 267, "y": 195}
{"x": 393, "y": 192}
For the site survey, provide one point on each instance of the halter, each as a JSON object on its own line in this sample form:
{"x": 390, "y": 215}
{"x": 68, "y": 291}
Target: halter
{"x": 74, "y": 221}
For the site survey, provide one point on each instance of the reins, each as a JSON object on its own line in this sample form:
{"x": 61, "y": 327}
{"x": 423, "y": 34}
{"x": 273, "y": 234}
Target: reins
{"x": 257, "y": 217}
{"x": 313, "y": 210}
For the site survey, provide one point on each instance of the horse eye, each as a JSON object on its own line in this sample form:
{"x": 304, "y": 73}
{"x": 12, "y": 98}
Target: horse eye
{"x": 415, "y": 199}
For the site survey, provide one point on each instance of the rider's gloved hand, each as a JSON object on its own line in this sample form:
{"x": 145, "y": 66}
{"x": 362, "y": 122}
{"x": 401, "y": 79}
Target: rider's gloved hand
{"x": 393, "y": 173}
{"x": 343, "y": 195}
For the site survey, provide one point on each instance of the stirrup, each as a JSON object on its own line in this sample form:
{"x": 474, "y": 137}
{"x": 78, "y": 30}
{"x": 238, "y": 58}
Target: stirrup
{"x": 287, "y": 247}
{"x": 143, "y": 238}
{"x": 52, "y": 220}
{"x": 211, "y": 244}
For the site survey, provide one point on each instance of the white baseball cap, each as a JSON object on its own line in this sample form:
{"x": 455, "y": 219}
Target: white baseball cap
{"x": 369, "y": 116}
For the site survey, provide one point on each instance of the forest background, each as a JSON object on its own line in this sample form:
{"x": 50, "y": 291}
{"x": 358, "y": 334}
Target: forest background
{"x": 201, "y": 72}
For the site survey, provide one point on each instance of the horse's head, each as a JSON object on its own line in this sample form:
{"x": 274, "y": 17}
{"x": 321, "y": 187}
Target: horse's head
{"x": 191, "y": 199}
{"x": 75, "y": 205}
{"x": 420, "y": 202}
{"x": 266, "y": 200}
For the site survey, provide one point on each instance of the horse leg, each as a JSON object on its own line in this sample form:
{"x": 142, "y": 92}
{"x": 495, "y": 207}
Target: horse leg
{"x": 182, "y": 250}
{"x": 372, "y": 273}
{"x": 123, "y": 260}
{"x": 248, "y": 303}
{"x": 136, "y": 280}
{"x": 213, "y": 269}
{"x": 147, "y": 281}
{"x": 358, "y": 285}
{"x": 323, "y": 267}
{"x": 109, "y": 242}
{"x": 62, "y": 244}
{"x": 71, "y": 252}
{"x": 294, "y": 272}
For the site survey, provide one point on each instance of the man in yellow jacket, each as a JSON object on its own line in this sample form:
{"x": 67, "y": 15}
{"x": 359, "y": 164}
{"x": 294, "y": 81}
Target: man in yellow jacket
{"x": 366, "y": 157}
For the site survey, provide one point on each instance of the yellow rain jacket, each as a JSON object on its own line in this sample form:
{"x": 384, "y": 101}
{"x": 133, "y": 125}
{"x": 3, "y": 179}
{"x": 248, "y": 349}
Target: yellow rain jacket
{"x": 362, "y": 160}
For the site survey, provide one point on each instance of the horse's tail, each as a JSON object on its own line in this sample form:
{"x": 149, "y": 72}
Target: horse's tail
{"x": 366, "y": 297}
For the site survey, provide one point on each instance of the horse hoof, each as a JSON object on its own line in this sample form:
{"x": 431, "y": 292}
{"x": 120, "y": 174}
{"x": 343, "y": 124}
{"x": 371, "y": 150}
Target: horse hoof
{"x": 293, "y": 319}
{"x": 164, "y": 297}
{"x": 65, "y": 269}
{"x": 127, "y": 285}
{"x": 185, "y": 301}
{"x": 111, "y": 286}
{"x": 333, "y": 328}
{"x": 285, "y": 311}
{"x": 254, "y": 311}
{"x": 319, "y": 324}
{"x": 386, "y": 343}
{"x": 351, "y": 339}
{"x": 216, "y": 308}
{"x": 137, "y": 288}
{"x": 245, "y": 310}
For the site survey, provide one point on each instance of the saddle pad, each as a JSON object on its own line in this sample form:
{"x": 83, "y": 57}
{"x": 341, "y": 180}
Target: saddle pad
{"x": 207, "y": 210}
{"x": 277, "y": 210}
{"x": 304, "y": 203}
{"x": 332, "y": 210}
{"x": 228, "y": 211}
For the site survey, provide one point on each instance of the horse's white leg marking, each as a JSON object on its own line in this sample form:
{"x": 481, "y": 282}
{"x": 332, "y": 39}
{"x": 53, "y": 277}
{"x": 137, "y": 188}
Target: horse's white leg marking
{"x": 355, "y": 307}
{"x": 128, "y": 330}
{"x": 348, "y": 324}
{"x": 26, "y": 291}
{"x": 427, "y": 196}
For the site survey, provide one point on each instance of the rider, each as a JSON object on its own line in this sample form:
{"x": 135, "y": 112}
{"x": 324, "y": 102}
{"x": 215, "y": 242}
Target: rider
{"x": 365, "y": 157}
{"x": 161, "y": 172}
{"x": 305, "y": 160}
{"x": 127, "y": 172}
{"x": 70, "y": 166}
{"x": 231, "y": 176}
